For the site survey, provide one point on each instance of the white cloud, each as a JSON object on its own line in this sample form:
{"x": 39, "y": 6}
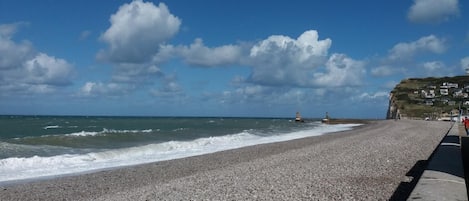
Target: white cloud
{"x": 25, "y": 71}
{"x": 340, "y": 71}
{"x": 44, "y": 69}
{"x": 97, "y": 89}
{"x": 200, "y": 55}
{"x": 433, "y": 11}
{"x": 137, "y": 30}
{"x": 165, "y": 53}
{"x": 425, "y": 44}
{"x": 136, "y": 39}
{"x": 281, "y": 60}
{"x": 12, "y": 54}
{"x": 306, "y": 49}
{"x": 372, "y": 96}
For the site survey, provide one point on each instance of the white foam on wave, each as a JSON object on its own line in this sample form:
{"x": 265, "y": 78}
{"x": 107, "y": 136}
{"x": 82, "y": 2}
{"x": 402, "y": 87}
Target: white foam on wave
{"x": 84, "y": 133}
{"x": 106, "y": 131}
{"x": 12, "y": 169}
{"x": 126, "y": 131}
{"x": 52, "y": 127}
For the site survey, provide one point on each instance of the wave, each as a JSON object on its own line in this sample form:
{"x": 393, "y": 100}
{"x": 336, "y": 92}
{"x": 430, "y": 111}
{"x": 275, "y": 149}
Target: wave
{"x": 107, "y": 131}
{"x": 16, "y": 168}
{"x": 25, "y": 150}
{"x": 52, "y": 127}
{"x": 83, "y": 133}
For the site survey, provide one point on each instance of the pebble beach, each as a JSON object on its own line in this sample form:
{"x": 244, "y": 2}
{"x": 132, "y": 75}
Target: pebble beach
{"x": 369, "y": 162}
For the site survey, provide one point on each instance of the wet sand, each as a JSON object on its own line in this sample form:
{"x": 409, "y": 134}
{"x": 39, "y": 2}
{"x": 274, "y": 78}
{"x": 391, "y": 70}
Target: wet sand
{"x": 367, "y": 163}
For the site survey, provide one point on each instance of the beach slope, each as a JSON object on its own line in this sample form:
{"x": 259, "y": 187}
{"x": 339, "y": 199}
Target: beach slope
{"x": 367, "y": 163}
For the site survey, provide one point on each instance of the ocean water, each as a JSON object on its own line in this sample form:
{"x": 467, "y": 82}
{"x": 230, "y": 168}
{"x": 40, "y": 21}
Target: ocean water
{"x": 33, "y": 147}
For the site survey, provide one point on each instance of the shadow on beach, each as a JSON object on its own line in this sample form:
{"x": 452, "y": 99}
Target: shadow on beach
{"x": 441, "y": 162}
{"x": 404, "y": 189}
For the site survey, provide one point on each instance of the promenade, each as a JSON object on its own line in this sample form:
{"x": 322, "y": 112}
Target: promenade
{"x": 443, "y": 179}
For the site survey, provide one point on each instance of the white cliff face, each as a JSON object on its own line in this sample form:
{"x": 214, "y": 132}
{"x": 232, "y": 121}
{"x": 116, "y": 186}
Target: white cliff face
{"x": 393, "y": 111}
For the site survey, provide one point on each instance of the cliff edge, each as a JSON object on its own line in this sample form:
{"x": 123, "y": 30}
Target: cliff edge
{"x": 429, "y": 98}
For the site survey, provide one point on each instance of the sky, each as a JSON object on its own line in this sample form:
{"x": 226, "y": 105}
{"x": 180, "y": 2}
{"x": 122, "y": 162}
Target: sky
{"x": 231, "y": 58}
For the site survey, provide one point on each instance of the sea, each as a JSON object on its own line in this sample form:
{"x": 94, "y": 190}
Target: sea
{"x": 35, "y": 147}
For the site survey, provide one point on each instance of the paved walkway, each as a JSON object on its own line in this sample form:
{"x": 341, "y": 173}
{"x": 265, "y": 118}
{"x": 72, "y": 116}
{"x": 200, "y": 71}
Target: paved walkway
{"x": 443, "y": 179}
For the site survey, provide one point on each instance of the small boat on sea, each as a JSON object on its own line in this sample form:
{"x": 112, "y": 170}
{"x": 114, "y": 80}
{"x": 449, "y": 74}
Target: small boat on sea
{"x": 298, "y": 117}
{"x": 326, "y": 119}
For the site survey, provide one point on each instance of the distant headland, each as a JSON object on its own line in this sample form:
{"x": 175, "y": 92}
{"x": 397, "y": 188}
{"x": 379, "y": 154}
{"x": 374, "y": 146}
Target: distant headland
{"x": 429, "y": 98}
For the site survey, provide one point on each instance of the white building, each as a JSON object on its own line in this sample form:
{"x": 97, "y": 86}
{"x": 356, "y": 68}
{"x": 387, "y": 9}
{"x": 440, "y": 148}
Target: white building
{"x": 444, "y": 91}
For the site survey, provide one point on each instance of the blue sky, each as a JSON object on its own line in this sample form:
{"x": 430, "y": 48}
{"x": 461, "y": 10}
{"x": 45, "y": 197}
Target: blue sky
{"x": 223, "y": 58}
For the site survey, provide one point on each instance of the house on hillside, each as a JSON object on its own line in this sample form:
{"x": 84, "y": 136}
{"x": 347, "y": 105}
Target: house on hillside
{"x": 449, "y": 85}
{"x": 428, "y": 94}
{"x": 457, "y": 93}
{"x": 444, "y": 91}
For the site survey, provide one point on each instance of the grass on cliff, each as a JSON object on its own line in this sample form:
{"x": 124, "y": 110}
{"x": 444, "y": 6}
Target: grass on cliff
{"x": 409, "y": 101}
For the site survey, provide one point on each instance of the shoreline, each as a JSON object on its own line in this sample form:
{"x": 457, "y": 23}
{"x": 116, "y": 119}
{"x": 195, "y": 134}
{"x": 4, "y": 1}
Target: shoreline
{"x": 346, "y": 121}
{"x": 310, "y": 167}
{"x": 91, "y": 168}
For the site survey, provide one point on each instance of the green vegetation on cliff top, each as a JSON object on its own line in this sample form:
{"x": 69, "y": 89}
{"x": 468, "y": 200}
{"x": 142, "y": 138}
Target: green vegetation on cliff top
{"x": 410, "y": 97}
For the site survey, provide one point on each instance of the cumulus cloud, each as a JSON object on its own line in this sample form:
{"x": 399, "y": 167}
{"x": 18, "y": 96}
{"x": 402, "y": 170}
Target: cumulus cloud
{"x": 198, "y": 54}
{"x": 430, "y": 43}
{"x": 281, "y": 60}
{"x": 340, "y": 71}
{"x": 25, "y": 71}
{"x": 136, "y": 32}
{"x": 433, "y": 11}
{"x": 165, "y": 53}
{"x": 13, "y": 54}
{"x": 136, "y": 42}
{"x": 305, "y": 50}
{"x": 44, "y": 69}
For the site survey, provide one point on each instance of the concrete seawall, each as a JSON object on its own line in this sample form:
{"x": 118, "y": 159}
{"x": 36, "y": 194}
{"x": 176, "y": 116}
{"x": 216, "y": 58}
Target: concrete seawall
{"x": 443, "y": 179}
